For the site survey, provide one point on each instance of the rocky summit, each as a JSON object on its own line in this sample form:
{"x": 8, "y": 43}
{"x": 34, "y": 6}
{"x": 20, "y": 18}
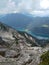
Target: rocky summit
{"x": 20, "y": 48}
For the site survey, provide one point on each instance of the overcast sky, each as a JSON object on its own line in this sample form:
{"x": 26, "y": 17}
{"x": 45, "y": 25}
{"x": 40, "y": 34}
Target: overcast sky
{"x": 34, "y": 7}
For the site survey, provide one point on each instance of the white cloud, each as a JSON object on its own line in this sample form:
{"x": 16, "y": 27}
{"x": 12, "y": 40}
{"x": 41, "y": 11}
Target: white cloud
{"x": 22, "y": 6}
{"x": 10, "y": 7}
{"x": 26, "y": 6}
{"x": 11, "y": 3}
{"x": 44, "y": 4}
{"x": 40, "y": 13}
{"x": 37, "y": 12}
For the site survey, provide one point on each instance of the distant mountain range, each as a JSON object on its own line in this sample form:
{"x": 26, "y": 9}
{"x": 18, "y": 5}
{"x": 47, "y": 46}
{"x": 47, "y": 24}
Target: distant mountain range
{"x": 27, "y": 23}
{"x": 17, "y": 21}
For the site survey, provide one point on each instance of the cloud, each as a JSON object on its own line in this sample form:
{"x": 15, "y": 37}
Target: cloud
{"x": 9, "y": 8}
{"x": 44, "y": 4}
{"x": 25, "y": 5}
{"x": 19, "y": 6}
{"x": 10, "y": 4}
{"x": 34, "y": 7}
{"x": 40, "y": 13}
{"x": 37, "y": 13}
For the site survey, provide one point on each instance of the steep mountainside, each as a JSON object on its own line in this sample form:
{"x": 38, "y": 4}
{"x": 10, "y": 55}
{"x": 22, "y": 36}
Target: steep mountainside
{"x": 20, "y": 48}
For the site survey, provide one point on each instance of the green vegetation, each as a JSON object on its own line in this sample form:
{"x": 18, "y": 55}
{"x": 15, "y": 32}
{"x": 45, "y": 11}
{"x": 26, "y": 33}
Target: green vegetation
{"x": 45, "y": 59}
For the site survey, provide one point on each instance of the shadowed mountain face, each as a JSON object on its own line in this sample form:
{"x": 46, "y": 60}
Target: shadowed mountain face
{"x": 27, "y": 23}
{"x": 17, "y": 20}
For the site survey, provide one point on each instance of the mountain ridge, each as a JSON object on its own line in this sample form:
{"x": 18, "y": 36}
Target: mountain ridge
{"x": 20, "y": 47}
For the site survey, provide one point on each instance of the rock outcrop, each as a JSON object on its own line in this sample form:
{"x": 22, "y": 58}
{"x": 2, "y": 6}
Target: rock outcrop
{"x": 19, "y": 48}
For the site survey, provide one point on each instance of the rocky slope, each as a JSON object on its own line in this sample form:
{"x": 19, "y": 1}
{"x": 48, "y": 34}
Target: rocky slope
{"x": 20, "y": 48}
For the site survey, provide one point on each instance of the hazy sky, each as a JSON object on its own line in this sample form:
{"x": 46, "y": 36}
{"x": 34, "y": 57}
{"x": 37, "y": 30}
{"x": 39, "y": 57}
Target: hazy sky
{"x": 34, "y": 7}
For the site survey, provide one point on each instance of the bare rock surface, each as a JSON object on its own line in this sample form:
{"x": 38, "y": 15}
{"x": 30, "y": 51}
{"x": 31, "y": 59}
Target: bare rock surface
{"x": 19, "y": 48}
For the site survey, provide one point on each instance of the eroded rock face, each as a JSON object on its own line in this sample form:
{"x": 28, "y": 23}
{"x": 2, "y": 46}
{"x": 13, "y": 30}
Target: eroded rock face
{"x": 17, "y": 49}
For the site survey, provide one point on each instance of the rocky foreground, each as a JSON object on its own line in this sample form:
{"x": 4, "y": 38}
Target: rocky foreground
{"x": 19, "y": 48}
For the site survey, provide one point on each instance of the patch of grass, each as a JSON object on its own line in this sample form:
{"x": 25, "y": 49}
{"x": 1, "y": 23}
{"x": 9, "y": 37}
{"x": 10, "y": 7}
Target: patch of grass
{"x": 45, "y": 59}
